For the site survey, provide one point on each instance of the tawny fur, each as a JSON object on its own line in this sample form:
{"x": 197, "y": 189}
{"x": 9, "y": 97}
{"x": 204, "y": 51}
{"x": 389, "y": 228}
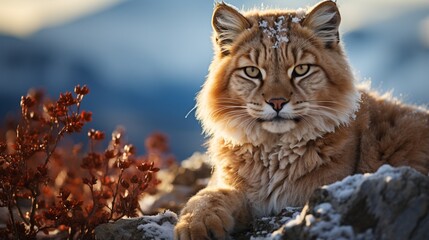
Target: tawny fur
{"x": 332, "y": 129}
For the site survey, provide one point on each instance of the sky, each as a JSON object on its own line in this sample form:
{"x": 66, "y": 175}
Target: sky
{"x": 24, "y": 17}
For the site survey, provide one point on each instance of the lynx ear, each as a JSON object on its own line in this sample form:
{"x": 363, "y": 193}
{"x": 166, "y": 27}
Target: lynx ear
{"x": 227, "y": 23}
{"x": 324, "y": 19}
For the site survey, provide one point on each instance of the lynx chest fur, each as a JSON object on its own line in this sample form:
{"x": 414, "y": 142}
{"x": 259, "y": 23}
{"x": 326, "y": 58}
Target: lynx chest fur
{"x": 274, "y": 175}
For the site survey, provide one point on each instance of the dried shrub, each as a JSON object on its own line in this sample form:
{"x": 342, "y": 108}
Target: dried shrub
{"x": 62, "y": 191}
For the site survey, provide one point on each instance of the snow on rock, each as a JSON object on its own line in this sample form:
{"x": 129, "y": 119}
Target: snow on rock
{"x": 392, "y": 203}
{"x": 160, "y": 227}
{"x": 343, "y": 190}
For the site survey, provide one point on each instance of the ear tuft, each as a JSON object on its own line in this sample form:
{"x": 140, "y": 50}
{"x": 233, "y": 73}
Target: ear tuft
{"x": 227, "y": 23}
{"x": 324, "y": 19}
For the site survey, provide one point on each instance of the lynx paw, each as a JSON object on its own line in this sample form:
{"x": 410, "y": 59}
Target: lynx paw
{"x": 203, "y": 223}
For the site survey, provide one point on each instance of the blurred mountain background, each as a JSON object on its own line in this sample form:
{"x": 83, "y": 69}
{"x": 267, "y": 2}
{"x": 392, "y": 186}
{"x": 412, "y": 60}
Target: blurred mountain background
{"x": 144, "y": 61}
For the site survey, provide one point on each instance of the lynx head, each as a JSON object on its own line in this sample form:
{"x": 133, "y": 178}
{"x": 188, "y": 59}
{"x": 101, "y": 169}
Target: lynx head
{"x": 276, "y": 73}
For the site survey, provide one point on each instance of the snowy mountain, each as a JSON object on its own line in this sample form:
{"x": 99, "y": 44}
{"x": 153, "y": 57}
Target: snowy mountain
{"x": 394, "y": 54}
{"x": 144, "y": 63}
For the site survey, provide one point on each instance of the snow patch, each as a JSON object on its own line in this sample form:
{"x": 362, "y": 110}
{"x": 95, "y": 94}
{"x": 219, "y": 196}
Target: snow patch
{"x": 343, "y": 190}
{"x": 160, "y": 226}
{"x": 296, "y": 20}
{"x": 263, "y": 24}
{"x": 300, "y": 13}
{"x": 278, "y": 32}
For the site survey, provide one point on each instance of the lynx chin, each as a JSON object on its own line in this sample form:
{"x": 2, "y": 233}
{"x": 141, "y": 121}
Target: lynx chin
{"x": 284, "y": 116}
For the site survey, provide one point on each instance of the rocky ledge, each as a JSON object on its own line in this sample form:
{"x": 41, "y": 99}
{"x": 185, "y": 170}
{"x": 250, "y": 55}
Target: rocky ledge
{"x": 392, "y": 203}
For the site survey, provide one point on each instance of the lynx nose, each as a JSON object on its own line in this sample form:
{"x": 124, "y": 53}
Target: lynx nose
{"x": 277, "y": 103}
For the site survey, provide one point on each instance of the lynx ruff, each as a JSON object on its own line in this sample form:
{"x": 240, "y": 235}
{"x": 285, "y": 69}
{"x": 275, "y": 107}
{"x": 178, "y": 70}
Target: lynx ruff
{"x": 283, "y": 117}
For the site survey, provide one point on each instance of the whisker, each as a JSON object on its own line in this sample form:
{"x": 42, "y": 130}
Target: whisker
{"x": 250, "y": 125}
{"x": 195, "y": 107}
{"x": 235, "y": 114}
{"x": 230, "y": 113}
{"x": 226, "y": 98}
{"x": 324, "y": 114}
{"x": 240, "y": 120}
{"x": 230, "y": 105}
{"x": 256, "y": 110}
{"x": 232, "y": 102}
{"x": 245, "y": 122}
{"x": 305, "y": 119}
{"x": 326, "y": 101}
{"x": 317, "y": 108}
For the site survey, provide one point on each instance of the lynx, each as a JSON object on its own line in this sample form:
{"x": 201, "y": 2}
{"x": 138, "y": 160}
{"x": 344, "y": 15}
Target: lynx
{"x": 284, "y": 116}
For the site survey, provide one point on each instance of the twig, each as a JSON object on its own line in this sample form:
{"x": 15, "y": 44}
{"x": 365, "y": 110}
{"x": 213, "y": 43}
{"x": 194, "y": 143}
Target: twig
{"x": 115, "y": 193}
{"x": 57, "y": 139}
{"x": 12, "y": 219}
{"x": 33, "y": 210}
{"x": 20, "y": 212}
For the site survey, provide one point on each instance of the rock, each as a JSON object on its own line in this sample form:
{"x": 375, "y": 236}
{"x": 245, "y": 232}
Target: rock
{"x": 173, "y": 200}
{"x": 263, "y": 227}
{"x": 392, "y": 203}
{"x": 178, "y": 184}
{"x": 148, "y": 227}
{"x": 192, "y": 169}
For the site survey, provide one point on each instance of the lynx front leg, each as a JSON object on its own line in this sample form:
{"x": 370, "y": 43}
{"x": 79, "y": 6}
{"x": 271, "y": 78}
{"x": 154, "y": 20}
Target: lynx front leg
{"x": 213, "y": 214}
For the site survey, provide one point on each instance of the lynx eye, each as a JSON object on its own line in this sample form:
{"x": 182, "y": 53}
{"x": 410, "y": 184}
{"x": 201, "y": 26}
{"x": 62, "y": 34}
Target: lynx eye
{"x": 252, "y": 72}
{"x": 301, "y": 70}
